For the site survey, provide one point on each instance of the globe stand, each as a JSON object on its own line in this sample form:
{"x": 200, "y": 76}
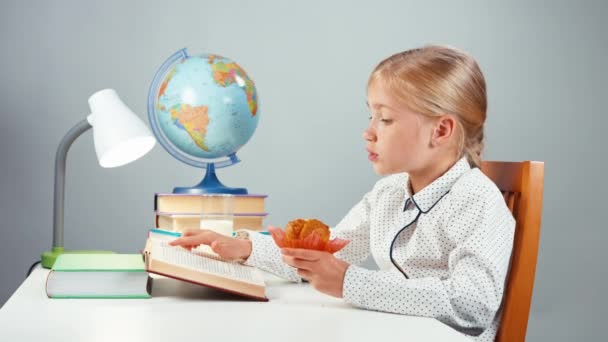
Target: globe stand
{"x": 210, "y": 185}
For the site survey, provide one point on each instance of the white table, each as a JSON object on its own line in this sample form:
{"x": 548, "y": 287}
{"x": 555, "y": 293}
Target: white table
{"x": 181, "y": 311}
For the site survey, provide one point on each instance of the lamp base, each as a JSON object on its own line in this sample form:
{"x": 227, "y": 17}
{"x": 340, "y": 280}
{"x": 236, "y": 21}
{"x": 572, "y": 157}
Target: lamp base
{"x": 48, "y": 258}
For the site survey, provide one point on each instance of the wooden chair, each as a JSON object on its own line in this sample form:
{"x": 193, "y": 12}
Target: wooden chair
{"x": 522, "y": 187}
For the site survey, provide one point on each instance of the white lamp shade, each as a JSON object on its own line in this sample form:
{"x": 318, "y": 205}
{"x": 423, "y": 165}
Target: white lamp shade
{"x": 120, "y": 136}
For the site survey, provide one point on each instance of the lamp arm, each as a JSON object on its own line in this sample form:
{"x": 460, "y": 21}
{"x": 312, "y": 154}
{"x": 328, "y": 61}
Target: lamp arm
{"x": 60, "y": 159}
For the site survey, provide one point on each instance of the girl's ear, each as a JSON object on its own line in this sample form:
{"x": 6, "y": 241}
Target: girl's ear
{"x": 443, "y": 131}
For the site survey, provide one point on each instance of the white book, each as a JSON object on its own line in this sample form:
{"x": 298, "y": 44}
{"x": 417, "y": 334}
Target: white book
{"x": 202, "y": 268}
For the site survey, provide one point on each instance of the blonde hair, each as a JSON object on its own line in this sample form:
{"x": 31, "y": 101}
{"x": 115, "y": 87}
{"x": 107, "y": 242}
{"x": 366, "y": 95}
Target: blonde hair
{"x": 436, "y": 80}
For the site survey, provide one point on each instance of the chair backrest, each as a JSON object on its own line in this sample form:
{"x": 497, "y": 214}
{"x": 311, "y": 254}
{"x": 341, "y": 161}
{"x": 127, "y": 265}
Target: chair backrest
{"x": 521, "y": 184}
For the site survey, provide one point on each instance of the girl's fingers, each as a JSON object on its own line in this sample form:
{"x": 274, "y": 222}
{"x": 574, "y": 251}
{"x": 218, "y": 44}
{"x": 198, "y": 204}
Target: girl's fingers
{"x": 299, "y": 263}
{"x": 192, "y": 240}
{"x": 305, "y": 274}
{"x": 178, "y": 242}
{"x": 195, "y": 238}
{"x": 304, "y": 254}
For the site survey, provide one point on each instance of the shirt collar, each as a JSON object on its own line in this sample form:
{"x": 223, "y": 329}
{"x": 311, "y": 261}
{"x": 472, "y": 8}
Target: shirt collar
{"x": 426, "y": 198}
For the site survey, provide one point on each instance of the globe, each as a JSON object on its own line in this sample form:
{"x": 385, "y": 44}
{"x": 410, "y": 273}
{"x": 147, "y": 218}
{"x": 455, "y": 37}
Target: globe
{"x": 202, "y": 110}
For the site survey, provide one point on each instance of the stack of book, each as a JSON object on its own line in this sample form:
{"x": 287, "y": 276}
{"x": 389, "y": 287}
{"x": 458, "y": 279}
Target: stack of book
{"x": 180, "y": 212}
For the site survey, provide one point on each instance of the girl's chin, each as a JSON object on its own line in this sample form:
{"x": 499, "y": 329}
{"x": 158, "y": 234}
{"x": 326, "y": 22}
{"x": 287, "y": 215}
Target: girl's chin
{"x": 381, "y": 170}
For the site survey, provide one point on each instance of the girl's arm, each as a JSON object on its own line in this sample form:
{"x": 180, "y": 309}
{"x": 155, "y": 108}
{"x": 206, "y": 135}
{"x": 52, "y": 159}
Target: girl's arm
{"x": 472, "y": 293}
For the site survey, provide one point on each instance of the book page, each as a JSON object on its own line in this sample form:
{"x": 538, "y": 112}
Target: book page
{"x": 201, "y": 261}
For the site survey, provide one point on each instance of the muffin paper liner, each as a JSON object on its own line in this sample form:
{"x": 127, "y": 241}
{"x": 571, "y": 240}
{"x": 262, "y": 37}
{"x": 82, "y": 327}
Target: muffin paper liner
{"x": 312, "y": 241}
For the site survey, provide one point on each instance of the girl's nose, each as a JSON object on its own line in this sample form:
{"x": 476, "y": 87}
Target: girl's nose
{"x": 368, "y": 135}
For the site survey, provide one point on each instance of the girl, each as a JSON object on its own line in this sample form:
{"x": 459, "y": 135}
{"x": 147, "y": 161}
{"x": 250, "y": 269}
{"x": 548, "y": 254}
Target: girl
{"x": 437, "y": 227}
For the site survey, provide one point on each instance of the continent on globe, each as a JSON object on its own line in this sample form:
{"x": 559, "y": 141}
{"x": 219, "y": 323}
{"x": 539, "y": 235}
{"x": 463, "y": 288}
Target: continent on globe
{"x": 163, "y": 86}
{"x": 194, "y": 120}
{"x": 226, "y": 74}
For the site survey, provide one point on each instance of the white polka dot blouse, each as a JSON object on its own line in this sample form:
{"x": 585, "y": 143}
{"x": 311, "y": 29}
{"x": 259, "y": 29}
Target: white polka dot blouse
{"x": 443, "y": 252}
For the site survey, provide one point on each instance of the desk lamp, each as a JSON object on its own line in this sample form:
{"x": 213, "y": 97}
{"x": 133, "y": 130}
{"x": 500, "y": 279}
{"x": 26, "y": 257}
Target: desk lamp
{"x": 120, "y": 137}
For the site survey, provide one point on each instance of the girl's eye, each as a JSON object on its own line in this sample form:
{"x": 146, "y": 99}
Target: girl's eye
{"x": 384, "y": 121}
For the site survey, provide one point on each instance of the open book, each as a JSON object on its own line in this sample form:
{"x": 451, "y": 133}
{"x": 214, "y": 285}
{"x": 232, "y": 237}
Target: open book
{"x": 202, "y": 268}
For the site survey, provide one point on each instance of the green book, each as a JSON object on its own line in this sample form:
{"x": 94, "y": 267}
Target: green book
{"x": 98, "y": 276}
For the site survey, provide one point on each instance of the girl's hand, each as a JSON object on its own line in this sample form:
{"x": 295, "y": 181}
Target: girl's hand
{"x": 323, "y": 270}
{"x": 226, "y": 247}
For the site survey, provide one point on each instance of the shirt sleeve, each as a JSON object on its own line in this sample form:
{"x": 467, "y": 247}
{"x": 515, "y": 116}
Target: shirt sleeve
{"x": 470, "y": 296}
{"x": 266, "y": 255}
{"x": 355, "y": 228}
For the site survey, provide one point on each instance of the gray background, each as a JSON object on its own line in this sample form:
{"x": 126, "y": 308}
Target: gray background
{"x": 546, "y": 74}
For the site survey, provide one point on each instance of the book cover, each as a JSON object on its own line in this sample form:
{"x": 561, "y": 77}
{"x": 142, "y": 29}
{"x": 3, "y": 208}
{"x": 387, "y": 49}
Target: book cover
{"x": 180, "y": 222}
{"x": 98, "y": 276}
{"x": 204, "y": 269}
{"x": 191, "y": 203}
{"x": 99, "y": 262}
{"x": 163, "y": 234}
